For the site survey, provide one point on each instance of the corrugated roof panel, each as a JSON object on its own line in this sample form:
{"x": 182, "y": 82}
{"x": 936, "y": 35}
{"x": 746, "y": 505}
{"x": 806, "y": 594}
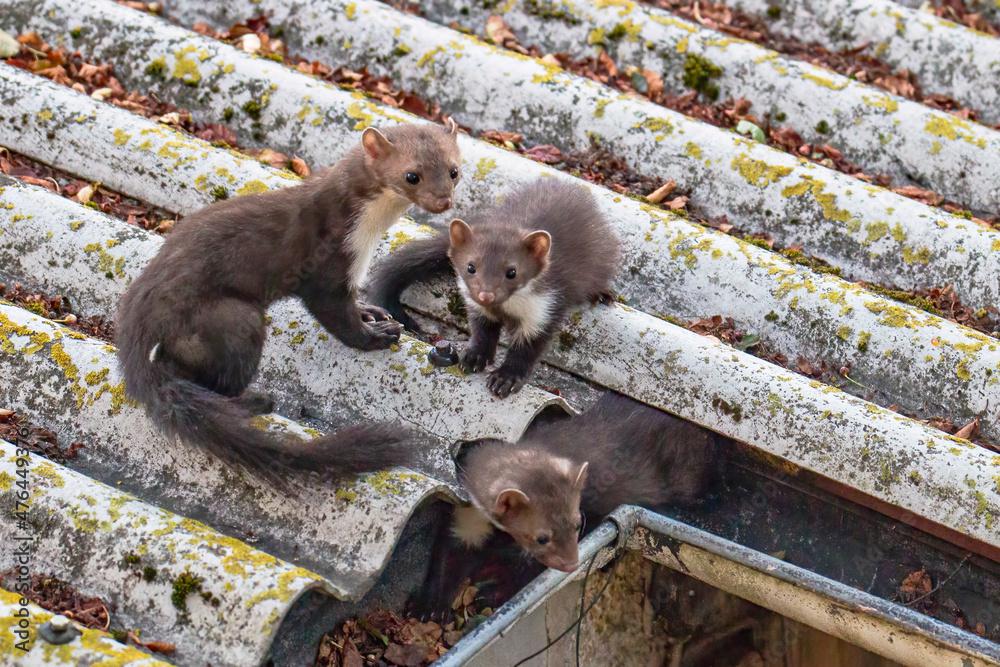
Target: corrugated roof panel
{"x": 92, "y": 648}
{"x": 799, "y": 312}
{"x": 345, "y": 533}
{"x": 132, "y": 554}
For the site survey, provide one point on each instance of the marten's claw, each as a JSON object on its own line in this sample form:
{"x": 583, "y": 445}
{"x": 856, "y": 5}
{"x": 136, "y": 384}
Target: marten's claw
{"x": 370, "y": 313}
{"x": 474, "y": 361}
{"x": 382, "y": 334}
{"x": 504, "y": 383}
{"x": 605, "y": 298}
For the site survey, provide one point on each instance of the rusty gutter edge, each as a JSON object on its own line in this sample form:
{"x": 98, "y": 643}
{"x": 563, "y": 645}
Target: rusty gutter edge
{"x": 900, "y": 633}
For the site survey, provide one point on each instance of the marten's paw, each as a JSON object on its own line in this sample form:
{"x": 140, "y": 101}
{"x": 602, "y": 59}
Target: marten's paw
{"x": 503, "y": 382}
{"x": 605, "y": 298}
{"x": 381, "y": 334}
{"x": 370, "y": 313}
{"x": 473, "y": 360}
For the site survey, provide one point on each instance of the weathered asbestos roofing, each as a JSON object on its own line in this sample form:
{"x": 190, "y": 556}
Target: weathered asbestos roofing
{"x": 948, "y": 58}
{"x": 673, "y": 267}
{"x": 90, "y": 532}
{"x": 92, "y": 649}
{"x": 690, "y": 269}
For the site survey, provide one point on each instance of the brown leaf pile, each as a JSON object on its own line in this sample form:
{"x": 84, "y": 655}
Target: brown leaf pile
{"x": 17, "y": 430}
{"x": 957, "y": 11}
{"x": 854, "y": 63}
{"x": 917, "y": 591}
{"x": 58, "y": 308}
{"x": 98, "y": 81}
{"x": 94, "y": 195}
{"x": 385, "y": 638}
{"x": 728, "y": 114}
{"x": 252, "y": 36}
{"x": 60, "y": 597}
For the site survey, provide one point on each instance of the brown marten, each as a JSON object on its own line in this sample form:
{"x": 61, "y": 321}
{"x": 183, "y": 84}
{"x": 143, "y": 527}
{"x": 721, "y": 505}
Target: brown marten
{"x": 191, "y": 328}
{"x": 521, "y": 266}
{"x": 616, "y": 453}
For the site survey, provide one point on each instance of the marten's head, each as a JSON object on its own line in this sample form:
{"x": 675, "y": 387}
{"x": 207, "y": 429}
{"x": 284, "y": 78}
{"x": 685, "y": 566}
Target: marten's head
{"x": 419, "y": 162}
{"x": 533, "y": 496}
{"x": 493, "y": 263}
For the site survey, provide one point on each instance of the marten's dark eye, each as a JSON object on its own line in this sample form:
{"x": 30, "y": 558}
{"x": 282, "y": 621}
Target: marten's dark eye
{"x": 511, "y": 274}
{"x": 412, "y": 177}
{"x": 453, "y": 173}
{"x": 543, "y": 539}
{"x": 471, "y": 267}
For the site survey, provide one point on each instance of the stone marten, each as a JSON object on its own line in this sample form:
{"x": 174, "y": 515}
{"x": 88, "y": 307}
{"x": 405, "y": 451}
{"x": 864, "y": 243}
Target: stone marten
{"x": 616, "y": 453}
{"x": 191, "y": 328}
{"x": 522, "y": 265}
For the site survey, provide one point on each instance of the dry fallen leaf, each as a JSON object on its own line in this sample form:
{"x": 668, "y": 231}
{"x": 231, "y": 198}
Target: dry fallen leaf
{"x": 273, "y": 158}
{"x": 546, "y": 153}
{"x": 915, "y": 585}
{"x": 46, "y": 183}
{"x": 172, "y": 118}
{"x": 498, "y": 31}
{"x": 406, "y": 655}
{"x": 85, "y": 194}
{"x": 551, "y": 60}
{"x": 969, "y": 430}
{"x": 662, "y": 192}
{"x": 677, "y": 203}
{"x": 300, "y": 167}
{"x": 655, "y": 83}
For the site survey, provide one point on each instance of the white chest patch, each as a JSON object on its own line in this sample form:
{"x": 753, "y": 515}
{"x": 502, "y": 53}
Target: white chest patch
{"x": 372, "y": 222}
{"x": 470, "y": 527}
{"x": 531, "y": 310}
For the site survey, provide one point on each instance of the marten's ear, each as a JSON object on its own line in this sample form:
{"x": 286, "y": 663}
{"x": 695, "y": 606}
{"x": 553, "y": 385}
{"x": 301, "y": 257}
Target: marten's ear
{"x": 509, "y": 501}
{"x": 460, "y": 233}
{"x": 376, "y": 144}
{"x": 538, "y": 244}
{"x": 451, "y": 126}
{"x": 581, "y": 476}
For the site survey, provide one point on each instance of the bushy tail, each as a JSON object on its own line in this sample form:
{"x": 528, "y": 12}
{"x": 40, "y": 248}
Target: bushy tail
{"x": 418, "y": 260}
{"x": 224, "y": 427}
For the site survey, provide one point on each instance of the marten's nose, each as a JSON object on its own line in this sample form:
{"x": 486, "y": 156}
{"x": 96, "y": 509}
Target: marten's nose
{"x": 486, "y": 297}
{"x": 562, "y": 564}
{"x": 441, "y": 204}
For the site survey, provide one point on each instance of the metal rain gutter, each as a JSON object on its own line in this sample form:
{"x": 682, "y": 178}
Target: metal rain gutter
{"x": 888, "y": 629}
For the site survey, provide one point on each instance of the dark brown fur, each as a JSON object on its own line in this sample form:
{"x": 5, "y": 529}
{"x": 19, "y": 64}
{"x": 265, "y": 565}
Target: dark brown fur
{"x": 626, "y": 452}
{"x": 559, "y": 246}
{"x": 191, "y": 328}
